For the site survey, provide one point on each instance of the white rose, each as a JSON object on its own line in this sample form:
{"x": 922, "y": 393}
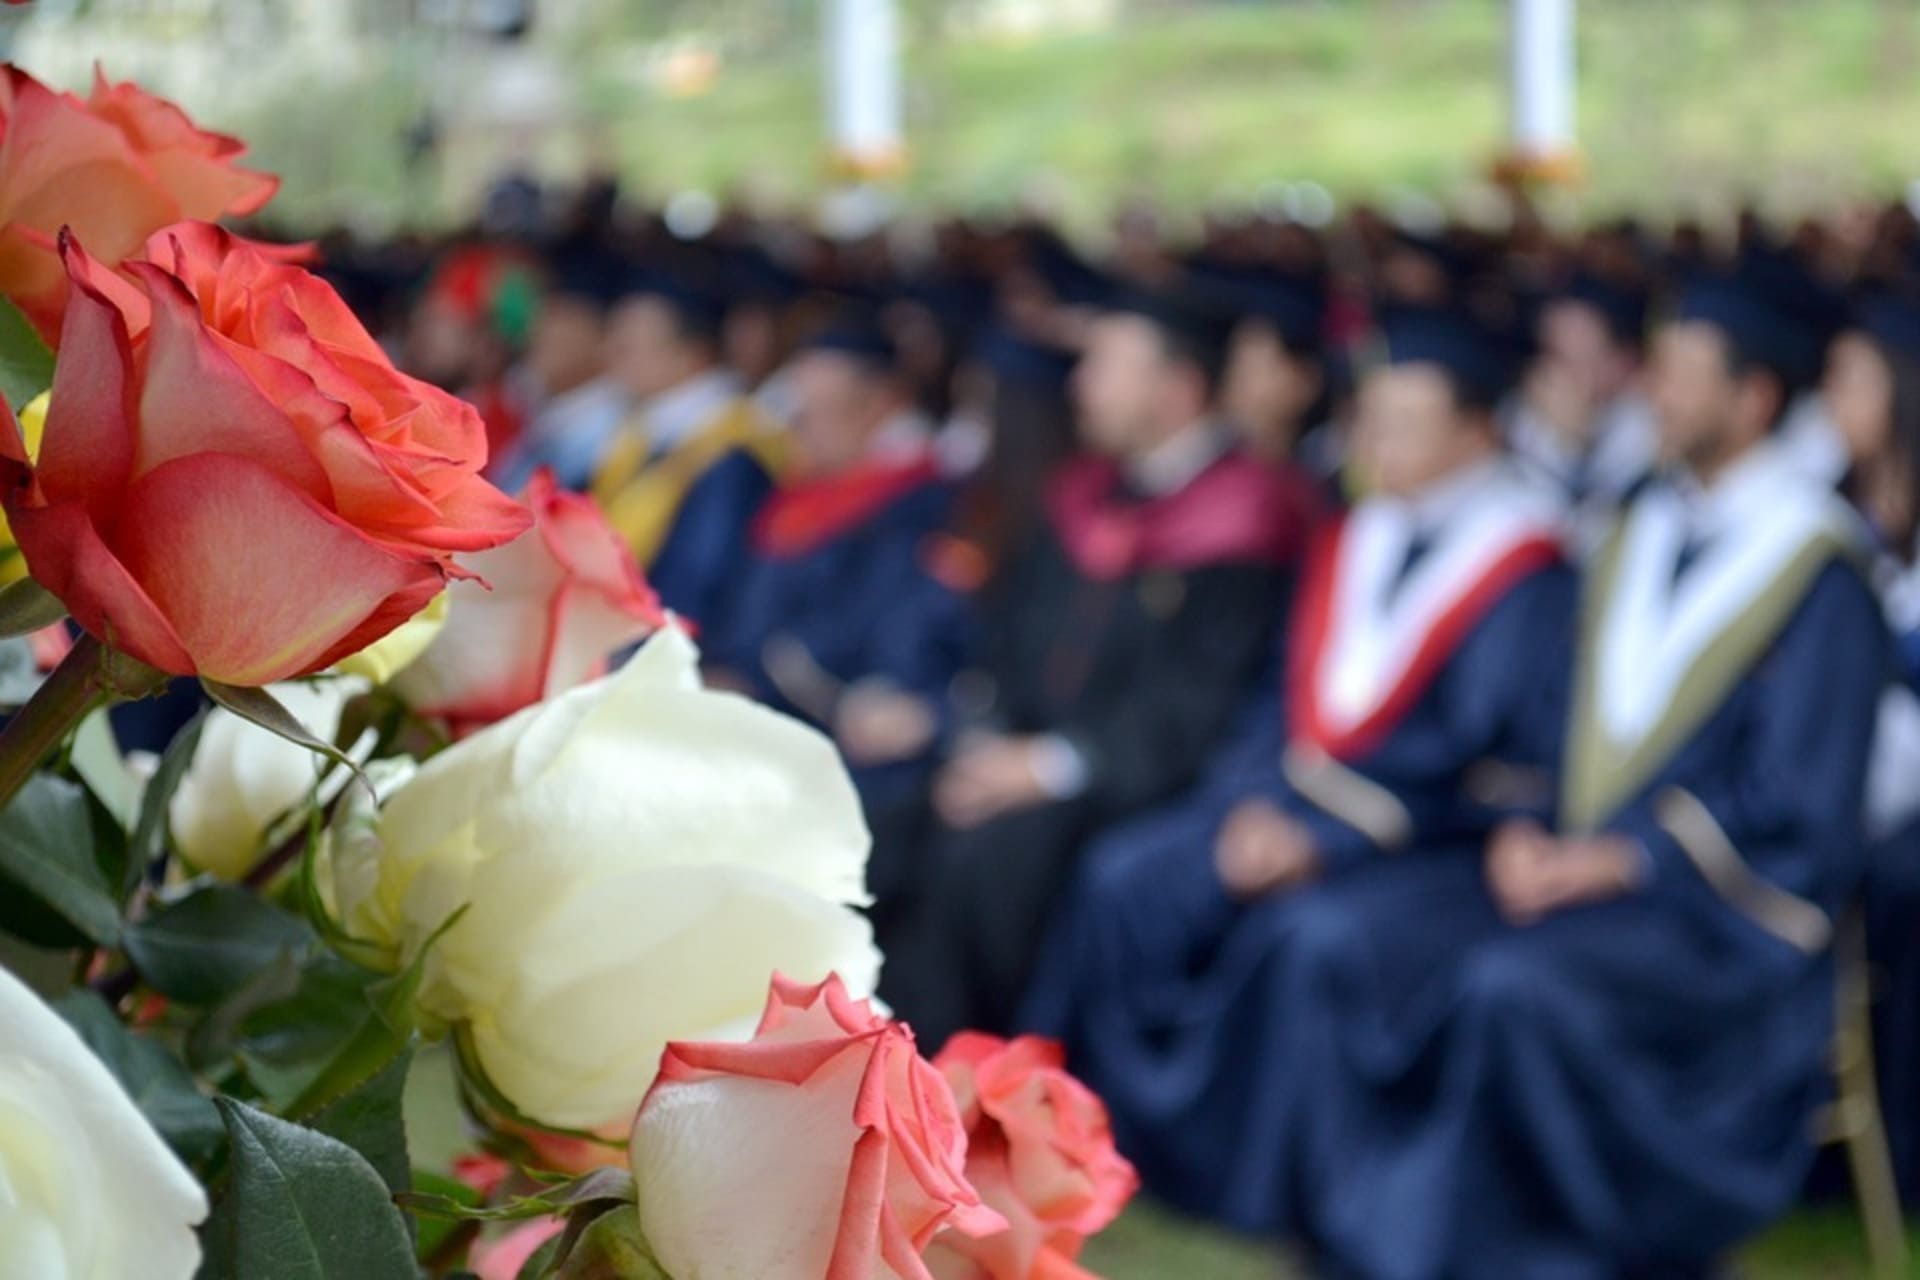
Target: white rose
{"x": 243, "y": 778}
{"x": 88, "y": 1191}
{"x": 638, "y": 857}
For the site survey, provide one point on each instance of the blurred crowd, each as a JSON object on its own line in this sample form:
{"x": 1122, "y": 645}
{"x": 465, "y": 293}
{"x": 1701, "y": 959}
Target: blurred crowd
{"x": 1412, "y": 707}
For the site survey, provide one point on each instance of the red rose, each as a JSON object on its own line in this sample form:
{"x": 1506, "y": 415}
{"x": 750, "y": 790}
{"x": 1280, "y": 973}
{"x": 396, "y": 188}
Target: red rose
{"x": 234, "y": 482}
{"x": 1041, "y": 1153}
{"x": 826, "y": 1148}
{"x": 563, "y": 596}
{"x": 114, "y": 168}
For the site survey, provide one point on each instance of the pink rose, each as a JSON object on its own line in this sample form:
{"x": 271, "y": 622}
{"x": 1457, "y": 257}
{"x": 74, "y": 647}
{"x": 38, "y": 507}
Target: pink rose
{"x": 233, "y": 481}
{"x": 1041, "y": 1153}
{"x": 113, "y": 168}
{"x": 825, "y": 1148}
{"x": 564, "y": 595}
{"x": 502, "y": 1257}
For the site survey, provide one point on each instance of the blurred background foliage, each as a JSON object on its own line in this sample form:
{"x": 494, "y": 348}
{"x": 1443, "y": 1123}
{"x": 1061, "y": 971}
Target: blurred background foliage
{"x": 396, "y": 112}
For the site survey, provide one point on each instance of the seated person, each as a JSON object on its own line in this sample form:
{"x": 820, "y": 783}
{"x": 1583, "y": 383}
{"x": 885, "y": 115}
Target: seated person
{"x": 835, "y": 616}
{"x": 1431, "y": 619}
{"x": 575, "y": 406}
{"x": 1581, "y": 421}
{"x": 1871, "y": 391}
{"x": 690, "y": 466}
{"x": 1118, "y": 642}
{"x": 1600, "y": 1052}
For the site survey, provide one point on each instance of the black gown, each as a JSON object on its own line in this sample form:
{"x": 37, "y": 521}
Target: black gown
{"x": 1142, "y": 671}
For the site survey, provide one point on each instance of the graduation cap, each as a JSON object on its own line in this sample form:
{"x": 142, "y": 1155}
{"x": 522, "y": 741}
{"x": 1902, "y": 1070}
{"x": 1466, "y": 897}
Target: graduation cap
{"x": 1015, "y": 361}
{"x": 856, "y": 332}
{"x": 1294, "y": 305}
{"x": 698, "y": 311}
{"x": 1483, "y": 363}
{"x": 1194, "y": 325}
{"x": 1749, "y": 312}
{"x": 751, "y": 276}
{"x": 1622, "y": 310}
{"x": 591, "y": 275}
{"x": 1892, "y": 320}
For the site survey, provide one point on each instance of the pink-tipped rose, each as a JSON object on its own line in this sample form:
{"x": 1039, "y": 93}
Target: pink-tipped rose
{"x": 1041, "y": 1154}
{"x": 234, "y": 481}
{"x": 825, "y": 1148}
{"x": 503, "y": 1256}
{"x": 114, "y": 168}
{"x": 564, "y": 595}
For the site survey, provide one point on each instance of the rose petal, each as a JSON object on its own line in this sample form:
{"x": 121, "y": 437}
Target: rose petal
{"x": 258, "y": 580}
{"x": 196, "y": 399}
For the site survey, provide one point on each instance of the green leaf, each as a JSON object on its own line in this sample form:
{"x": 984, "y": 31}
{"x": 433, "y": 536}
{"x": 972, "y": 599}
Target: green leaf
{"x": 156, "y": 1081}
{"x": 435, "y": 1234}
{"x": 212, "y": 942}
{"x": 299, "y": 1205}
{"x": 216, "y": 1037}
{"x": 370, "y": 1120}
{"x": 26, "y": 362}
{"x": 262, "y": 708}
{"x": 610, "y": 1247}
{"x": 50, "y": 859}
{"x": 602, "y": 1187}
{"x": 26, "y": 607}
{"x": 288, "y": 1046}
{"x": 149, "y": 841}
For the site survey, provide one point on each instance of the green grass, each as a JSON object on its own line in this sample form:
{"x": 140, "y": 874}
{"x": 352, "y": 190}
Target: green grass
{"x": 1685, "y": 105}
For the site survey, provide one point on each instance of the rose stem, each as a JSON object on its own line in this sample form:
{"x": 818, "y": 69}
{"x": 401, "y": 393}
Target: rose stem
{"x": 87, "y": 676}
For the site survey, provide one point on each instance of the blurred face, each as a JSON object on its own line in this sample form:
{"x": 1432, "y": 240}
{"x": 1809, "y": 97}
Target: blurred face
{"x": 1128, "y": 391}
{"x": 565, "y": 347}
{"x": 1858, "y": 393}
{"x": 752, "y": 342}
{"x": 645, "y": 350}
{"x": 1575, "y": 338}
{"x": 1410, "y": 432}
{"x": 839, "y": 405}
{"x": 1267, "y": 390}
{"x": 1696, "y": 396}
{"x": 441, "y": 343}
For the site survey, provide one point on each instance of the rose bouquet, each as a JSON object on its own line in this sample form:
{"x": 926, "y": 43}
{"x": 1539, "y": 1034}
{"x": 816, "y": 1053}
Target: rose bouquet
{"x": 420, "y": 803}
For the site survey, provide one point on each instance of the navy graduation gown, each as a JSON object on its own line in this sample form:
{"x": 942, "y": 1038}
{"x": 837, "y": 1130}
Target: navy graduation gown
{"x": 1625, "y": 1087}
{"x": 1174, "y": 999}
{"x": 855, "y": 602}
{"x": 700, "y": 564}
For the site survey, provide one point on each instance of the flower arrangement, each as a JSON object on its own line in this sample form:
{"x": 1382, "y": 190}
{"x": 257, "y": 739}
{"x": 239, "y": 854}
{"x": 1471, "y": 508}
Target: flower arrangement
{"x": 421, "y": 806}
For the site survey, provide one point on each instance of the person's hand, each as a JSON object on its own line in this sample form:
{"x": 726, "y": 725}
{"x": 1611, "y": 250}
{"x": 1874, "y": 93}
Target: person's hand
{"x": 1533, "y": 874}
{"x": 992, "y": 775}
{"x": 1262, "y": 850}
{"x": 875, "y": 724}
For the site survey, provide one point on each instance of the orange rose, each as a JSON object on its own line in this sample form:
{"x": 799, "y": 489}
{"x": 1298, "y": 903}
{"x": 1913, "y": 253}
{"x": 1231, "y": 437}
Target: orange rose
{"x": 825, "y": 1148}
{"x": 1041, "y": 1153}
{"x": 563, "y": 596}
{"x": 114, "y": 168}
{"x": 234, "y": 482}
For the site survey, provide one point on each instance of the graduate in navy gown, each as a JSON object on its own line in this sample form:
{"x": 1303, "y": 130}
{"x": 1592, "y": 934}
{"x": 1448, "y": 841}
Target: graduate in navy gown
{"x": 1599, "y": 1052}
{"x": 1430, "y": 622}
{"x": 1118, "y": 642}
{"x": 837, "y": 616}
{"x": 1871, "y": 393}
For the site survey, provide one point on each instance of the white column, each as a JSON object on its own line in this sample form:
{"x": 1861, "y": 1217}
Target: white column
{"x": 1540, "y": 76}
{"x": 863, "y": 86}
